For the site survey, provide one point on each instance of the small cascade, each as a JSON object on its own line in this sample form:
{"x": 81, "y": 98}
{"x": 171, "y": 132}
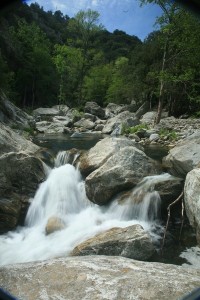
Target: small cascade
{"x": 61, "y": 159}
{"x": 66, "y": 157}
{"x": 46, "y": 168}
{"x": 143, "y": 203}
{"x": 61, "y": 194}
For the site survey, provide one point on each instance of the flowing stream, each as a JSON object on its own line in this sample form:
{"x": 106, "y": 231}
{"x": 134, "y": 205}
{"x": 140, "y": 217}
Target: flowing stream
{"x": 63, "y": 196}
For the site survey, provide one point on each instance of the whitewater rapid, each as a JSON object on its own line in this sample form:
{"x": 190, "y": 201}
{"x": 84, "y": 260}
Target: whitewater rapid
{"x": 63, "y": 195}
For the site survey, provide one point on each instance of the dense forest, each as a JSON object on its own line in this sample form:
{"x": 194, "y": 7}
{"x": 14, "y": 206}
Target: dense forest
{"x": 47, "y": 58}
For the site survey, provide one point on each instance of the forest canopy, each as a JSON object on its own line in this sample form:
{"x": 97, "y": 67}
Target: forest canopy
{"x": 47, "y": 58}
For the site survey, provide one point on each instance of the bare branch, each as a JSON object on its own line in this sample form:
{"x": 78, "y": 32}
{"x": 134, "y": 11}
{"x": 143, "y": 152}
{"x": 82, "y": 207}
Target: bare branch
{"x": 168, "y": 218}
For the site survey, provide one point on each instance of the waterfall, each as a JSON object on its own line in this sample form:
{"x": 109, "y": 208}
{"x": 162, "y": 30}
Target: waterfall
{"x": 62, "y": 158}
{"x": 62, "y": 195}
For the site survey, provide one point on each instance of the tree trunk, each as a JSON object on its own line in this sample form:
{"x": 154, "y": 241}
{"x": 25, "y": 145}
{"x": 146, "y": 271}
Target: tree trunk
{"x": 162, "y": 83}
{"x": 33, "y": 93}
{"x": 24, "y": 100}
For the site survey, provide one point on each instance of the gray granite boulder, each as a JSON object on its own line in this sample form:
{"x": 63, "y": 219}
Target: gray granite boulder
{"x": 192, "y": 199}
{"x": 12, "y": 115}
{"x": 149, "y": 118}
{"x": 113, "y": 109}
{"x": 125, "y": 118}
{"x": 94, "y": 109}
{"x": 20, "y": 175}
{"x": 99, "y": 278}
{"x": 132, "y": 242}
{"x": 185, "y": 156}
{"x": 11, "y": 141}
{"x": 85, "y": 124}
{"x": 45, "y": 114}
{"x": 121, "y": 171}
{"x": 99, "y": 154}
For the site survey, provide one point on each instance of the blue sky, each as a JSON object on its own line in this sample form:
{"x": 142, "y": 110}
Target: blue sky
{"x": 126, "y": 15}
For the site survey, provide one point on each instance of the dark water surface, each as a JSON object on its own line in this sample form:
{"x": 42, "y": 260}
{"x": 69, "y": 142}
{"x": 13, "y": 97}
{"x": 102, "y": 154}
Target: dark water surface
{"x": 61, "y": 142}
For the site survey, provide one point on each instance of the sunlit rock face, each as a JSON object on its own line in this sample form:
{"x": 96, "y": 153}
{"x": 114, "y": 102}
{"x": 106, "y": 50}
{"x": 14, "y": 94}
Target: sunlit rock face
{"x": 132, "y": 242}
{"x": 10, "y": 141}
{"x": 184, "y": 156}
{"x": 54, "y": 224}
{"x": 104, "y": 149}
{"x": 192, "y": 199}
{"x": 126, "y": 118}
{"x": 121, "y": 171}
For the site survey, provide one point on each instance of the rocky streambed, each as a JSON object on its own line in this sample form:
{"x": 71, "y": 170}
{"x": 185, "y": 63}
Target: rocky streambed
{"x": 119, "y": 188}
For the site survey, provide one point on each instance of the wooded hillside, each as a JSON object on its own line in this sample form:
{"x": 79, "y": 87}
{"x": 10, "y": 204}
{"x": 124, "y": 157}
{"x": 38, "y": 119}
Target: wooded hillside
{"x": 48, "y": 58}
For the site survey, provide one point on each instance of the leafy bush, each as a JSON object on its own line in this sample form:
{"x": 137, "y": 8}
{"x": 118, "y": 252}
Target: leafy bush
{"x": 77, "y": 113}
{"x": 29, "y": 130}
{"x": 134, "y": 129}
{"x": 170, "y": 134}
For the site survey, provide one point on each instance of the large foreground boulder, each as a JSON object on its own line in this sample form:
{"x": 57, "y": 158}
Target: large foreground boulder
{"x": 98, "y": 277}
{"x": 132, "y": 242}
{"x": 121, "y": 171}
{"x": 185, "y": 156}
{"x": 192, "y": 200}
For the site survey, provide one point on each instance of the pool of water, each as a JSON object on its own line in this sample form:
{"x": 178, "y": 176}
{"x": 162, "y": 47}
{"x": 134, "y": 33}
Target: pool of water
{"x": 156, "y": 152}
{"x": 61, "y": 142}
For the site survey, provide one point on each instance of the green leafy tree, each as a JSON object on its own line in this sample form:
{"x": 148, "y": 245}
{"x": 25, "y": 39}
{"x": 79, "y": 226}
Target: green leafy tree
{"x": 120, "y": 88}
{"x": 69, "y": 64}
{"x": 97, "y": 82}
{"x": 83, "y": 28}
{"x": 6, "y": 76}
{"x": 176, "y": 71}
{"x": 34, "y": 69}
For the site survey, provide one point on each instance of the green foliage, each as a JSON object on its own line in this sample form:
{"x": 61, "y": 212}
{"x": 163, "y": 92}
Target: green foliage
{"x": 6, "y": 76}
{"x": 29, "y": 131}
{"x": 134, "y": 129}
{"x": 118, "y": 90}
{"x": 196, "y": 115}
{"x": 97, "y": 82}
{"x": 77, "y": 113}
{"x": 169, "y": 134}
{"x": 47, "y": 58}
{"x": 69, "y": 63}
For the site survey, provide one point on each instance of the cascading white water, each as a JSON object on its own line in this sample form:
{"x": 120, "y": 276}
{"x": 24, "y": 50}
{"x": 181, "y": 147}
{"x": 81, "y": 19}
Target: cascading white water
{"x": 61, "y": 159}
{"x": 63, "y": 195}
